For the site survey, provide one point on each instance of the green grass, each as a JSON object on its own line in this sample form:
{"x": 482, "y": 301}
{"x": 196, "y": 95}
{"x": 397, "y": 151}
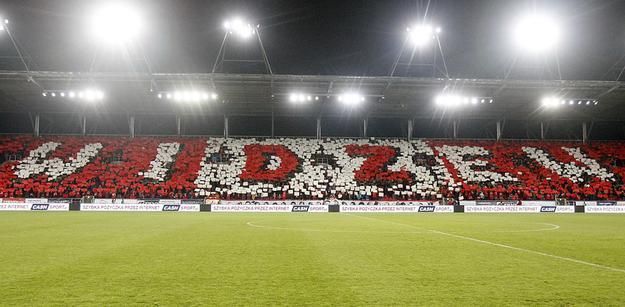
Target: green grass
{"x": 309, "y": 259}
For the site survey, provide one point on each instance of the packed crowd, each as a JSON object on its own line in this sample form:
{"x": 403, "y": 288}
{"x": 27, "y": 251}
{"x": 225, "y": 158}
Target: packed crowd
{"x": 275, "y": 169}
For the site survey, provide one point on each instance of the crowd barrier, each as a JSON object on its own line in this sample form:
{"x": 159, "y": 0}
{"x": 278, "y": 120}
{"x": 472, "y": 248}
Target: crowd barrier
{"x": 298, "y": 206}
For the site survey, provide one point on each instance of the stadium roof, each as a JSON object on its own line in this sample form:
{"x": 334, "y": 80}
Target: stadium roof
{"x": 322, "y": 48}
{"x": 260, "y": 94}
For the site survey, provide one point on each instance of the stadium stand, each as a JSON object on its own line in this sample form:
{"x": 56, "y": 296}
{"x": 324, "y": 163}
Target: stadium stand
{"x": 296, "y": 168}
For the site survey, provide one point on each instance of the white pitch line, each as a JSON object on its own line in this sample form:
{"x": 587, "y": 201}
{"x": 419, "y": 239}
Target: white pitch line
{"x": 600, "y": 266}
{"x": 605, "y": 267}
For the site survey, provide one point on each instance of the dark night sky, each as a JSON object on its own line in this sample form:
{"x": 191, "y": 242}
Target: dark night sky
{"x": 360, "y": 37}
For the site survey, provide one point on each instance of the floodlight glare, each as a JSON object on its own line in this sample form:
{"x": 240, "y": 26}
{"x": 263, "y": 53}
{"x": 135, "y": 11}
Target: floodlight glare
{"x": 115, "y": 24}
{"x": 188, "y": 96}
{"x": 421, "y": 35}
{"x": 239, "y": 28}
{"x": 299, "y": 98}
{"x": 92, "y": 95}
{"x": 550, "y": 102}
{"x": 536, "y": 33}
{"x": 351, "y": 98}
{"x": 448, "y": 100}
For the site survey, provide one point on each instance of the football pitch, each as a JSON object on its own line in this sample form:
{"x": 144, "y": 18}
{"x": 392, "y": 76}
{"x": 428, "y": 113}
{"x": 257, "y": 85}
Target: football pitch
{"x": 80, "y": 258}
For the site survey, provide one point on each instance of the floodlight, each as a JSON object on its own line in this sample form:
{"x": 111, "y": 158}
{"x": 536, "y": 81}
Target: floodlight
{"x": 537, "y": 33}
{"x": 44, "y": 94}
{"x": 115, "y": 24}
{"x": 92, "y": 95}
{"x": 53, "y": 94}
{"x": 188, "y": 96}
{"x": 351, "y": 98}
{"x": 550, "y": 102}
{"x": 160, "y": 96}
{"x": 239, "y": 27}
{"x": 300, "y": 97}
{"x": 421, "y": 35}
{"x": 448, "y": 100}
{"x": 454, "y": 99}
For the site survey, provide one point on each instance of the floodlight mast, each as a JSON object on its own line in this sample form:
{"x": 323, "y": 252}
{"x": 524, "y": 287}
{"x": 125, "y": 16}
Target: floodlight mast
{"x": 421, "y": 36}
{"x": 4, "y": 26}
{"x": 119, "y": 25}
{"x": 535, "y": 35}
{"x": 239, "y": 28}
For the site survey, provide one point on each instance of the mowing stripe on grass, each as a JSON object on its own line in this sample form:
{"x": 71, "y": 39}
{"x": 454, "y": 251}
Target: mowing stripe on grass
{"x": 331, "y": 231}
{"x": 600, "y": 266}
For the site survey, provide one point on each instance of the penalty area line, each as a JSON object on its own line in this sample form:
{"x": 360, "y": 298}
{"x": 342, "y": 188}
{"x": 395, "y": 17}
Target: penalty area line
{"x": 605, "y": 267}
{"x": 519, "y": 249}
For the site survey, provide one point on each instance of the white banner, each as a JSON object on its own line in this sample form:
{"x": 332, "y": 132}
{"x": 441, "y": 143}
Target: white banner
{"x": 140, "y": 207}
{"x": 116, "y": 201}
{"x": 34, "y": 207}
{"x": 398, "y": 209}
{"x": 36, "y": 200}
{"x": 170, "y": 201}
{"x": 604, "y": 209}
{"x": 387, "y": 203}
{"x": 270, "y": 208}
{"x": 538, "y": 203}
{"x": 585, "y": 203}
{"x": 519, "y": 209}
